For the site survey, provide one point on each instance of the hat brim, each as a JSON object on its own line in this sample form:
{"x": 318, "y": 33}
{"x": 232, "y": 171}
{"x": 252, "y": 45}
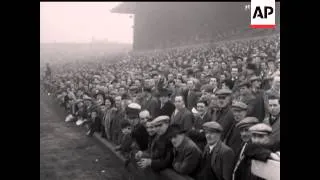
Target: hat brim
{"x": 173, "y": 134}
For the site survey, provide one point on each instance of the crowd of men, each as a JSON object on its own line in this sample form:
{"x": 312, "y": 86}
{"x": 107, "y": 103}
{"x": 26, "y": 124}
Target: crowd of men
{"x": 203, "y": 111}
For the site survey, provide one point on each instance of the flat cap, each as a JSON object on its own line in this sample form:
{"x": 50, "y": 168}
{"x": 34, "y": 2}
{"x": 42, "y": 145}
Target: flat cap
{"x": 254, "y": 78}
{"x": 248, "y": 121}
{"x": 212, "y": 126}
{"x": 239, "y": 105}
{"x": 260, "y": 128}
{"x": 161, "y": 119}
{"x": 223, "y": 92}
{"x": 134, "y": 106}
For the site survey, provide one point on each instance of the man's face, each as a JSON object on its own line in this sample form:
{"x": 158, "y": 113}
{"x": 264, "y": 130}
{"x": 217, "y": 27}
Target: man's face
{"x": 93, "y": 115}
{"x": 177, "y": 140}
{"x": 179, "y": 102}
{"x": 133, "y": 121}
{"x": 144, "y": 117}
{"x": 234, "y": 64}
{"x": 184, "y": 77}
{"x": 276, "y": 83}
{"x": 239, "y": 114}
{"x": 261, "y": 139}
{"x": 137, "y": 83}
{"x": 118, "y": 101}
{"x": 170, "y": 77}
{"x": 202, "y": 76}
{"x": 190, "y": 85}
{"x": 274, "y": 107}
{"x": 126, "y": 130}
{"x": 201, "y": 107}
{"x": 222, "y": 77}
{"x": 122, "y": 91}
{"x": 162, "y": 128}
{"x": 103, "y": 109}
{"x": 223, "y": 101}
{"x": 107, "y": 103}
{"x": 244, "y": 90}
{"x": 212, "y": 137}
{"x": 213, "y": 82}
{"x": 224, "y": 65}
{"x": 234, "y": 72}
{"x": 245, "y": 134}
{"x": 150, "y": 129}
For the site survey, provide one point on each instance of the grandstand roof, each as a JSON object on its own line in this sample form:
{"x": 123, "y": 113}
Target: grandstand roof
{"x": 125, "y": 8}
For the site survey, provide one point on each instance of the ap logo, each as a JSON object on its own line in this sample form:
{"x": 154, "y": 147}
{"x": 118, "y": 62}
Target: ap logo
{"x": 263, "y": 14}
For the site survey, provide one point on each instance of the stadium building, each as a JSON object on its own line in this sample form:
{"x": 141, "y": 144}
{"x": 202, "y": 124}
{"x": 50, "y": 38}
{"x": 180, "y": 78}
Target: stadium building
{"x": 168, "y": 24}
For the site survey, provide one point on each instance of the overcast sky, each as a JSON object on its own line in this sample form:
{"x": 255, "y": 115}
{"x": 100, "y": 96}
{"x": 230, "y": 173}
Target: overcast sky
{"x": 82, "y": 21}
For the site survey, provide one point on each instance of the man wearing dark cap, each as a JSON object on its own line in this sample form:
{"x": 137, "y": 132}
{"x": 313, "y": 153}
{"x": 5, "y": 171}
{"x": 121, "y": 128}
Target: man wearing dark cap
{"x": 161, "y": 148}
{"x": 218, "y": 158}
{"x": 186, "y": 154}
{"x": 256, "y": 104}
{"x": 223, "y": 114}
{"x": 233, "y": 139}
{"x": 139, "y": 132}
{"x": 242, "y": 167}
{"x": 151, "y": 103}
{"x": 167, "y": 107}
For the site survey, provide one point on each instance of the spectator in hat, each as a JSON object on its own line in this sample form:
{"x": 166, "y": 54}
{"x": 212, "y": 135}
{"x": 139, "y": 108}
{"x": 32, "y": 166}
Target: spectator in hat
{"x": 273, "y": 117}
{"x": 161, "y": 147}
{"x": 182, "y": 116}
{"x": 223, "y": 114}
{"x": 109, "y": 104}
{"x": 255, "y": 82}
{"x": 217, "y": 159}
{"x": 186, "y": 154}
{"x": 203, "y": 116}
{"x": 151, "y": 103}
{"x": 151, "y": 129}
{"x": 242, "y": 169}
{"x": 116, "y": 118}
{"x": 191, "y": 96}
{"x": 255, "y": 104}
{"x": 166, "y": 107}
{"x": 233, "y": 139}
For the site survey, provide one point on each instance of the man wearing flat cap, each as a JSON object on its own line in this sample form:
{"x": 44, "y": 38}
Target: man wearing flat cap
{"x": 223, "y": 114}
{"x": 233, "y": 139}
{"x": 256, "y": 104}
{"x": 166, "y": 107}
{"x": 150, "y": 102}
{"x": 217, "y": 158}
{"x": 242, "y": 167}
{"x": 186, "y": 154}
{"x": 161, "y": 147}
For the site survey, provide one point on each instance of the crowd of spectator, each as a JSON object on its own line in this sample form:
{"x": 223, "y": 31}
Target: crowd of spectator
{"x": 204, "y": 111}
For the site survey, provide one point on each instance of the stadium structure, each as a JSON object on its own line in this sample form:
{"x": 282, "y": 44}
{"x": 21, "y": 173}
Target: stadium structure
{"x": 167, "y": 24}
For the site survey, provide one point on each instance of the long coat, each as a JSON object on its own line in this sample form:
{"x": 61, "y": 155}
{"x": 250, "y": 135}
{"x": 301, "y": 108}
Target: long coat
{"x": 191, "y": 98}
{"x": 161, "y": 153}
{"x": 233, "y": 138}
{"x": 225, "y": 118}
{"x": 151, "y": 104}
{"x": 184, "y": 118}
{"x": 186, "y": 157}
{"x": 222, "y": 161}
{"x": 275, "y": 135}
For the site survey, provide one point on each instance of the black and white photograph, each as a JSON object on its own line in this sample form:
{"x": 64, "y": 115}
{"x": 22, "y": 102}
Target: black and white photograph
{"x": 159, "y": 90}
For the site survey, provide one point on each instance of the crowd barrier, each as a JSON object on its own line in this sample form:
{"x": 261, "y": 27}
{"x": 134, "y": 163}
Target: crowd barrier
{"x": 269, "y": 170}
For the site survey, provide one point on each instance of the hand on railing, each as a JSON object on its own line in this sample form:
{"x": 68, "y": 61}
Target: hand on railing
{"x": 275, "y": 156}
